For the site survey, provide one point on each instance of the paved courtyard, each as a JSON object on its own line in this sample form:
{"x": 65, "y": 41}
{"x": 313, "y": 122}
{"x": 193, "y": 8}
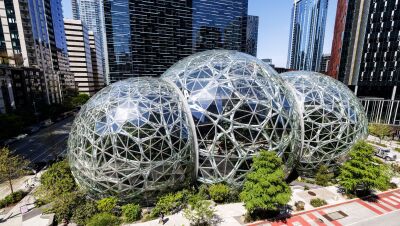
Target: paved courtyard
{"x": 352, "y": 212}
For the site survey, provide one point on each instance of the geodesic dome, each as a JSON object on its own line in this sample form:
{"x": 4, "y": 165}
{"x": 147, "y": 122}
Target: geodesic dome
{"x": 239, "y": 106}
{"x": 333, "y": 119}
{"x": 133, "y": 138}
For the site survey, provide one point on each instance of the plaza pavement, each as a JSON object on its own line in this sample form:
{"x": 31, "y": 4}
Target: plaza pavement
{"x": 356, "y": 212}
{"x": 352, "y": 212}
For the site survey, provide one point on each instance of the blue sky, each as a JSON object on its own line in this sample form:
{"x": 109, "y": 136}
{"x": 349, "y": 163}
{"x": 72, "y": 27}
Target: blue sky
{"x": 273, "y": 30}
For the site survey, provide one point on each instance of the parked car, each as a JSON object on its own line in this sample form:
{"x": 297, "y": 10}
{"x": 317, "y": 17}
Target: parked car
{"x": 386, "y": 154}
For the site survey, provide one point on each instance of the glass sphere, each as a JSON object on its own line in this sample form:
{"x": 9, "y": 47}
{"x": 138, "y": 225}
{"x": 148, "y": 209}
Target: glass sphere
{"x": 133, "y": 138}
{"x": 239, "y": 106}
{"x": 333, "y": 119}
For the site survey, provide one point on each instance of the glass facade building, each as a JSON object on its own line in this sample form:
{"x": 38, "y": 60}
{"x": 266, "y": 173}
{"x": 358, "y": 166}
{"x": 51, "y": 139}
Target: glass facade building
{"x": 91, "y": 13}
{"x": 307, "y": 31}
{"x": 144, "y": 38}
{"x": 252, "y": 35}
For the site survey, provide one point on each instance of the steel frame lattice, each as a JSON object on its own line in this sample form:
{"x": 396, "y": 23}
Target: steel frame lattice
{"x": 239, "y": 106}
{"x": 333, "y": 119}
{"x": 133, "y": 138}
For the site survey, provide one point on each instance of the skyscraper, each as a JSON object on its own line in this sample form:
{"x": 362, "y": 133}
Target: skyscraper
{"x": 97, "y": 64}
{"x": 91, "y": 13}
{"x": 348, "y": 40}
{"x": 307, "y": 32}
{"x": 79, "y": 55}
{"x": 147, "y": 37}
{"x": 365, "y": 50}
{"x": 252, "y": 35}
{"x": 324, "y": 63}
{"x": 32, "y": 36}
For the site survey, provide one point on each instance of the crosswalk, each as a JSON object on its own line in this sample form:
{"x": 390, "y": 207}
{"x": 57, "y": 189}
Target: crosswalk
{"x": 382, "y": 204}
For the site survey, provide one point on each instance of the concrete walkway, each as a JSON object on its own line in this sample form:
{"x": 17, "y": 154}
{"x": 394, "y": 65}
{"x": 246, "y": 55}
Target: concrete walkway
{"x": 355, "y": 209}
{"x": 351, "y": 212}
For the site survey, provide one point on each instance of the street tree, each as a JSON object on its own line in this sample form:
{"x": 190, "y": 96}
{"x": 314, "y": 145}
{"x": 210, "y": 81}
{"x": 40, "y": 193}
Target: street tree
{"x": 380, "y": 130}
{"x": 11, "y": 166}
{"x": 265, "y": 188}
{"x": 362, "y": 171}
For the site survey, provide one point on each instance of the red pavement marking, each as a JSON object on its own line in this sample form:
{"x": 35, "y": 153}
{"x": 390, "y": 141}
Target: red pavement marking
{"x": 369, "y": 207}
{"x": 315, "y": 219}
{"x": 389, "y": 203}
{"x": 381, "y": 206}
{"x": 395, "y": 201}
{"x": 333, "y": 222}
{"x": 297, "y": 219}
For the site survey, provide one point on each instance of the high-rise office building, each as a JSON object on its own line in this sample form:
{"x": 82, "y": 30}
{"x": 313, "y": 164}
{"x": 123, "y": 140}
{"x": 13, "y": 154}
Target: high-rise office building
{"x": 252, "y": 35}
{"x": 307, "y": 32}
{"x": 97, "y": 64}
{"x": 144, "y": 38}
{"x": 365, "y": 50}
{"x": 91, "y": 13}
{"x": 31, "y": 35}
{"x": 324, "y": 63}
{"x": 79, "y": 55}
{"x": 348, "y": 40}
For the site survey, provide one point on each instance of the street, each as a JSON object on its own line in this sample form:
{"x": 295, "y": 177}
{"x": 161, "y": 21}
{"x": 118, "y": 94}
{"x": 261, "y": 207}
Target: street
{"x": 46, "y": 144}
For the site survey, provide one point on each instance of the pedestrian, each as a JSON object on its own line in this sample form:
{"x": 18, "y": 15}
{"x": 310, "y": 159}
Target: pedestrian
{"x": 162, "y": 218}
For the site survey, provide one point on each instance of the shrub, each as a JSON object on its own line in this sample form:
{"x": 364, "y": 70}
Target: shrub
{"x": 12, "y": 198}
{"x": 107, "y": 205}
{"x": 299, "y": 205}
{"x": 219, "y": 192}
{"x": 397, "y": 149}
{"x": 170, "y": 203}
{"x": 306, "y": 188}
{"x": 200, "y": 213}
{"x": 317, "y": 202}
{"x": 131, "y": 212}
{"x": 64, "y": 205}
{"x": 104, "y": 219}
{"x": 84, "y": 212}
{"x": 203, "y": 191}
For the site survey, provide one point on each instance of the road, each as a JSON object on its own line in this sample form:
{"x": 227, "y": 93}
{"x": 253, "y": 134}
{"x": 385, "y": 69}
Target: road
{"x": 46, "y": 144}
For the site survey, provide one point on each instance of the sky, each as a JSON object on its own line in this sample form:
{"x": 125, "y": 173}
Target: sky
{"x": 273, "y": 28}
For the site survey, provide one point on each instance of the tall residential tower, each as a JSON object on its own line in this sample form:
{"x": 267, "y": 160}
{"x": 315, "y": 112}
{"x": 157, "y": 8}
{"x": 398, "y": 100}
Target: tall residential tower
{"x": 91, "y": 13}
{"x": 307, "y": 32}
{"x": 144, "y": 38}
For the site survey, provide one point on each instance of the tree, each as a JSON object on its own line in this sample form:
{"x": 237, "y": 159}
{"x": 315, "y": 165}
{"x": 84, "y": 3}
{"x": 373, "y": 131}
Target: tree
{"x": 56, "y": 181}
{"x": 11, "y": 166}
{"x": 64, "y": 205}
{"x": 200, "y": 212}
{"x": 323, "y": 176}
{"x": 265, "y": 188}
{"x": 380, "y": 130}
{"x": 363, "y": 171}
